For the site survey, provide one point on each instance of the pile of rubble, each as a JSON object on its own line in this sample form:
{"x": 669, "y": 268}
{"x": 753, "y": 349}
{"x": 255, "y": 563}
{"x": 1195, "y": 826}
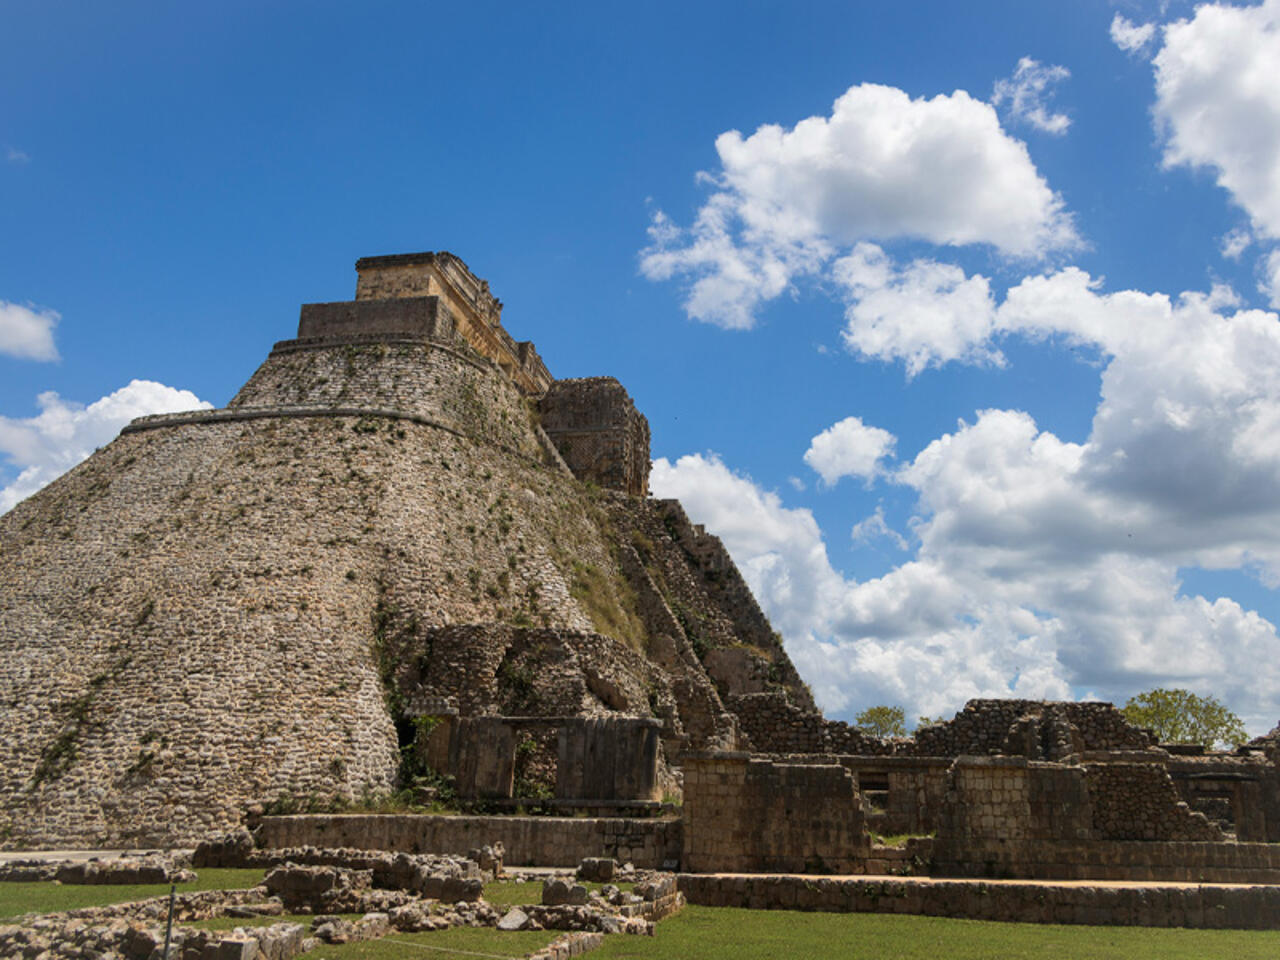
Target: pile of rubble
{"x": 304, "y": 888}
{"x": 610, "y": 909}
{"x": 394, "y": 893}
{"x": 152, "y": 867}
{"x": 59, "y": 937}
{"x": 390, "y": 869}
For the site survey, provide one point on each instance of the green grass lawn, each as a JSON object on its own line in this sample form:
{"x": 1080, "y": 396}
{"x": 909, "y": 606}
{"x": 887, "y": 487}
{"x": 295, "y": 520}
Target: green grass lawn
{"x": 19, "y": 898}
{"x": 707, "y": 933}
{"x": 711, "y": 933}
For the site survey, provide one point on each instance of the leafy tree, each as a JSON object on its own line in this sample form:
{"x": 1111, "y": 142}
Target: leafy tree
{"x": 1180, "y": 716}
{"x": 882, "y": 721}
{"x": 923, "y": 721}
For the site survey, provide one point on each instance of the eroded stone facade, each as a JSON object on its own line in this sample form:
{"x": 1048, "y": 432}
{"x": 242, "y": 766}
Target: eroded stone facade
{"x": 474, "y": 312}
{"x": 601, "y": 435}
{"x": 223, "y": 610}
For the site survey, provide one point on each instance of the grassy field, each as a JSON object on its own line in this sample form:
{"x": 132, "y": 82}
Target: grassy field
{"x": 705, "y": 933}
{"x": 709, "y": 933}
{"x": 19, "y": 898}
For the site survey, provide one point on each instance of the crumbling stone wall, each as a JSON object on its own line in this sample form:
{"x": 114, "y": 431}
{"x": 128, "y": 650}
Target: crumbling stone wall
{"x": 1007, "y": 816}
{"x": 1239, "y": 791}
{"x": 748, "y": 814}
{"x": 499, "y": 669}
{"x": 601, "y": 435}
{"x": 900, "y": 794}
{"x": 1138, "y": 801}
{"x": 1031, "y": 728}
{"x": 983, "y": 726}
{"x": 701, "y": 618}
{"x": 650, "y": 843}
{"x": 776, "y": 725}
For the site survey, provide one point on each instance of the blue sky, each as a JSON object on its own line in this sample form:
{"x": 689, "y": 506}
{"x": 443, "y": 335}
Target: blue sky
{"x": 1028, "y": 246}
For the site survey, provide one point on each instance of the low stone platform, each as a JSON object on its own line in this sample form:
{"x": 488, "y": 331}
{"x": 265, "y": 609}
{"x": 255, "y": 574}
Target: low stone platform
{"x": 1210, "y": 906}
{"x": 650, "y": 843}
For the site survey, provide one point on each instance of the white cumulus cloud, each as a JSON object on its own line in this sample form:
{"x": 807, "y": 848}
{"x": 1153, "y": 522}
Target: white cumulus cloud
{"x": 1235, "y": 242}
{"x": 1131, "y": 37}
{"x": 1044, "y": 567}
{"x": 882, "y": 166}
{"x": 849, "y": 448}
{"x": 63, "y": 433}
{"x": 925, "y": 314}
{"x": 1218, "y": 103}
{"x": 1270, "y": 285}
{"x": 26, "y": 332}
{"x": 1026, "y": 92}
{"x": 875, "y": 527}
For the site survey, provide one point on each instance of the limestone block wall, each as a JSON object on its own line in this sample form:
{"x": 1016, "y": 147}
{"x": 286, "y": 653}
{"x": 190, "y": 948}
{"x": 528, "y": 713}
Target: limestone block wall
{"x": 983, "y": 725}
{"x": 747, "y": 814}
{"x": 774, "y": 724}
{"x": 1131, "y": 860}
{"x": 913, "y": 795}
{"x": 409, "y": 317}
{"x": 599, "y": 432}
{"x": 1007, "y": 816}
{"x": 1242, "y": 791}
{"x": 777, "y": 724}
{"x": 1138, "y": 801}
{"x": 608, "y": 758}
{"x": 529, "y": 841}
{"x": 726, "y": 589}
{"x": 437, "y": 380}
{"x": 1200, "y": 906}
{"x": 989, "y": 797}
{"x": 208, "y": 603}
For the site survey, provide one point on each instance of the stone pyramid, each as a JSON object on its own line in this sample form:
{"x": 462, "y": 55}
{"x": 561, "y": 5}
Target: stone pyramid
{"x": 221, "y": 609}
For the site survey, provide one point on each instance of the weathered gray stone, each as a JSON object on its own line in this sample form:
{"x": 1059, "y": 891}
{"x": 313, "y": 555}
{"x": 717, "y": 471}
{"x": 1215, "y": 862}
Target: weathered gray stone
{"x": 514, "y": 919}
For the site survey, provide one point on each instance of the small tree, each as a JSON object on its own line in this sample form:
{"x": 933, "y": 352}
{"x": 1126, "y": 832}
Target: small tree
{"x": 882, "y": 721}
{"x": 1180, "y": 716}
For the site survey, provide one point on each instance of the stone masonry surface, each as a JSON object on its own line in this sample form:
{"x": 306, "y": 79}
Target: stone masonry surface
{"x": 1214, "y": 907}
{"x": 600, "y": 433}
{"x": 404, "y": 551}
{"x": 529, "y": 841}
{"x": 757, "y": 815}
{"x": 227, "y": 601}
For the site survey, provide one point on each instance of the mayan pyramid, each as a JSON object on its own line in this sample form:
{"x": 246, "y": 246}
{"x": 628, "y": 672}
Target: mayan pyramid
{"x": 223, "y": 608}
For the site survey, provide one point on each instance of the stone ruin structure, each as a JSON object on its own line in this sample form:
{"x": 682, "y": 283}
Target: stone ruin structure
{"x": 402, "y": 551}
{"x": 405, "y": 556}
{"x": 446, "y": 298}
{"x": 1008, "y": 788}
{"x": 599, "y": 432}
